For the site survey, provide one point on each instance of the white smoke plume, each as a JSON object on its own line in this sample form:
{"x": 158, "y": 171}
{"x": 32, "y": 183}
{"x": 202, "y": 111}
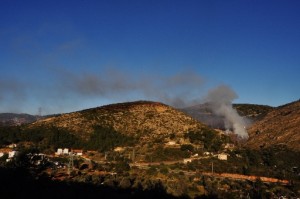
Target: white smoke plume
{"x": 220, "y": 100}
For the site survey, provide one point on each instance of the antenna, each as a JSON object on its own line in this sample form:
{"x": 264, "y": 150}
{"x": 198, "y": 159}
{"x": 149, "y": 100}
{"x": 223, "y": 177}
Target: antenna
{"x": 40, "y": 111}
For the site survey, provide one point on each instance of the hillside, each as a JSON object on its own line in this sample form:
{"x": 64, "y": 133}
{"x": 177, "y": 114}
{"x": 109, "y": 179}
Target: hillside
{"x": 141, "y": 119}
{"x": 141, "y": 146}
{"x": 254, "y": 112}
{"x": 203, "y": 113}
{"x": 13, "y": 119}
{"x": 281, "y": 126}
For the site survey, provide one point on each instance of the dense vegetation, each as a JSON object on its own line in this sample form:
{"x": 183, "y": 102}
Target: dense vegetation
{"x": 252, "y": 109}
{"x": 166, "y": 154}
{"x": 102, "y": 139}
{"x": 9, "y": 134}
{"x": 159, "y": 180}
{"x": 211, "y": 140}
{"x": 19, "y": 183}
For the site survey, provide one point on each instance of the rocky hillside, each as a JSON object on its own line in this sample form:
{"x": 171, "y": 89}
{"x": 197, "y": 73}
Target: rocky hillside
{"x": 279, "y": 127}
{"x": 139, "y": 119}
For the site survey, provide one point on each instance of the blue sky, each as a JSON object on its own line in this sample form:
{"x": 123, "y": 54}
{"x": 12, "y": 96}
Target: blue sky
{"x": 66, "y": 56}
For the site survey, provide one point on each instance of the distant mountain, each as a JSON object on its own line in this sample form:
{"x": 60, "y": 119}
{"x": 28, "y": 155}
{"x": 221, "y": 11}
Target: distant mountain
{"x": 281, "y": 126}
{"x": 143, "y": 119}
{"x": 203, "y": 113}
{"x": 254, "y": 112}
{"x": 13, "y": 119}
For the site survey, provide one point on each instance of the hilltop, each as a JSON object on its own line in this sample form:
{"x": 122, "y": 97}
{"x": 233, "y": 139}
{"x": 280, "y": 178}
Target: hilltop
{"x": 140, "y": 118}
{"x": 281, "y": 126}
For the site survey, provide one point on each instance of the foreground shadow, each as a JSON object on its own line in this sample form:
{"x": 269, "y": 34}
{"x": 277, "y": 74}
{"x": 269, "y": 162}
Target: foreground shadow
{"x": 18, "y": 183}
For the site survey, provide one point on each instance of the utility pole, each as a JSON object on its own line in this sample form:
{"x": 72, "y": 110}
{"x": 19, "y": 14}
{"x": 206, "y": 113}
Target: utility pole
{"x": 71, "y": 163}
{"x": 105, "y": 155}
{"x": 133, "y": 156}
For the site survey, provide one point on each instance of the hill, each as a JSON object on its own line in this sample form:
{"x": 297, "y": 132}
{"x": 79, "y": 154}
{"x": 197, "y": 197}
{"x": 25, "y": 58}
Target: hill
{"x": 280, "y": 126}
{"x": 143, "y": 146}
{"x": 141, "y": 118}
{"x": 204, "y": 113}
{"x": 254, "y": 112}
{"x": 13, "y": 119}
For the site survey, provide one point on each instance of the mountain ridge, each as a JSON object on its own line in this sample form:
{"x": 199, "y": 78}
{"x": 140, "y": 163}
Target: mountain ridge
{"x": 12, "y": 119}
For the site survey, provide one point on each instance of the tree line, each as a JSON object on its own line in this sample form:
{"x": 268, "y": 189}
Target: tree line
{"x": 102, "y": 138}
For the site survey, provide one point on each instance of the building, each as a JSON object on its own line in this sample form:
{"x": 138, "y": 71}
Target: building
{"x": 12, "y": 146}
{"x": 222, "y": 156}
{"x": 59, "y": 151}
{"x": 77, "y": 152}
{"x": 171, "y": 143}
{"x": 119, "y": 149}
{"x": 229, "y": 146}
{"x": 12, "y": 154}
{"x": 66, "y": 151}
{"x": 4, "y": 151}
{"x": 186, "y": 160}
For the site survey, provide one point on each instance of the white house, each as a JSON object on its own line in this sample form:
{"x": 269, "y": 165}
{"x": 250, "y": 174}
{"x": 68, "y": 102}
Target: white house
{"x": 12, "y": 154}
{"x": 59, "y": 151}
{"x": 222, "y": 156}
{"x": 12, "y": 146}
{"x": 66, "y": 151}
{"x": 186, "y": 160}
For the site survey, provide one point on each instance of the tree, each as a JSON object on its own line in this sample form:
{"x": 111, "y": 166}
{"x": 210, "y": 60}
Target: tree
{"x": 187, "y": 147}
{"x": 104, "y": 139}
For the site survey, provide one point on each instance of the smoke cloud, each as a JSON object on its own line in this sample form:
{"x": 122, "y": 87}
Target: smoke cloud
{"x": 65, "y": 90}
{"x": 68, "y": 90}
{"x": 175, "y": 90}
{"x": 220, "y": 100}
